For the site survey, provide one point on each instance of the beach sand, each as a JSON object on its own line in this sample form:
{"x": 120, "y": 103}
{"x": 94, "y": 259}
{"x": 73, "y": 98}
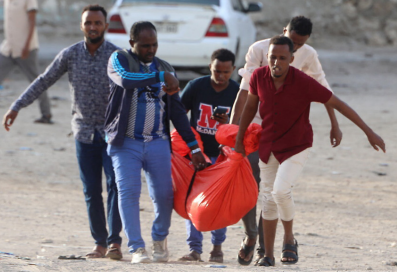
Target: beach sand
{"x": 346, "y": 198}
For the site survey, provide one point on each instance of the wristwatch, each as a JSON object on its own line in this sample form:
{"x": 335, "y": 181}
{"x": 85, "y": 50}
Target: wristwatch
{"x": 196, "y": 150}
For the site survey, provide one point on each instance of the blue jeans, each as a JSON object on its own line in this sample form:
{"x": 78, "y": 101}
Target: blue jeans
{"x": 195, "y": 237}
{"x": 128, "y": 160}
{"x": 91, "y": 159}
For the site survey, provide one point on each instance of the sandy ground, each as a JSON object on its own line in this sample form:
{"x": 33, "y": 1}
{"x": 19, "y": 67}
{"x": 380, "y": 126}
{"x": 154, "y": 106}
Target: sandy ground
{"x": 346, "y": 218}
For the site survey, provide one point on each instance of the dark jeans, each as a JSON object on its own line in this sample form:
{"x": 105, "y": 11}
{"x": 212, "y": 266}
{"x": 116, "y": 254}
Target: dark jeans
{"x": 92, "y": 158}
{"x": 249, "y": 220}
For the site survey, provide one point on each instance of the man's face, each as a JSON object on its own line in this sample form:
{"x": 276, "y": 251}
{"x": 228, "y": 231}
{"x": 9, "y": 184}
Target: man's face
{"x": 146, "y": 45}
{"x": 93, "y": 26}
{"x": 221, "y": 71}
{"x": 298, "y": 40}
{"x": 279, "y": 59}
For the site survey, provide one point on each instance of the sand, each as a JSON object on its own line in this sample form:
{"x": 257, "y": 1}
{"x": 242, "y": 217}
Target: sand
{"x": 346, "y": 208}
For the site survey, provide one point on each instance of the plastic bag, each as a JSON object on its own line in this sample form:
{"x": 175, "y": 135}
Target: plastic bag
{"x": 221, "y": 194}
{"x": 226, "y": 135}
{"x": 181, "y": 172}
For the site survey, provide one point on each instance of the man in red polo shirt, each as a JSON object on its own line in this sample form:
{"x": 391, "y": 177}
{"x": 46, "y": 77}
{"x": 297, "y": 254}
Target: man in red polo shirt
{"x": 285, "y": 94}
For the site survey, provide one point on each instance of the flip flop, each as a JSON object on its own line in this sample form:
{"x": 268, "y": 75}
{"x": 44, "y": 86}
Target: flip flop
{"x": 246, "y": 249}
{"x": 288, "y": 254}
{"x": 71, "y": 257}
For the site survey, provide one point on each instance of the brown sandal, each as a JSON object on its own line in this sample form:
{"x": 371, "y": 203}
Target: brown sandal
{"x": 191, "y": 257}
{"x": 98, "y": 252}
{"x": 114, "y": 252}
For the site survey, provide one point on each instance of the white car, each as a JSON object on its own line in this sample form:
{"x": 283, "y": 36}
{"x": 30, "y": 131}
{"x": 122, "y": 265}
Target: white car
{"x": 188, "y": 30}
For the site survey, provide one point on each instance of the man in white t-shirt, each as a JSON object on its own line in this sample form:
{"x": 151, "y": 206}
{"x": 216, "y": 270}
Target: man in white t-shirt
{"x": 20, "y": 46}
{"x": 305, "y": 59}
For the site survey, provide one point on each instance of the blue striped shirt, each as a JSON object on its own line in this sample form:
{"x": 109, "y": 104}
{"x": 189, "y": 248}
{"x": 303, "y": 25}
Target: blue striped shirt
{"x": 146, "y": 116}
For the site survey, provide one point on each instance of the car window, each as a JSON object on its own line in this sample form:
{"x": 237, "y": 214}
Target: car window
{"x": 201, "y": 2}
{"x": 237, "y": 5}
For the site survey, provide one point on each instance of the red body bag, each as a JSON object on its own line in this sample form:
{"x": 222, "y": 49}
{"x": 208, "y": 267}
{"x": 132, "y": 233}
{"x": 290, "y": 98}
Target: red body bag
{"x": 222, "y": 193}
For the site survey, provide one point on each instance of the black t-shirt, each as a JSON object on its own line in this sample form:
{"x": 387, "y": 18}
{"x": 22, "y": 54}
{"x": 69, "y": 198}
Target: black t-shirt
{"x": 200, "y": 98}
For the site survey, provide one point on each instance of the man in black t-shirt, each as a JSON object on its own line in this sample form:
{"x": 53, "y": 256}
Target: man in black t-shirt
{"x": 201, "y": 96}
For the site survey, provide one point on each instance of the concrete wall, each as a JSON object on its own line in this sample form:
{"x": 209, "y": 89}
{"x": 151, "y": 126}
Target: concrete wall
{"x": 372, "y": 22}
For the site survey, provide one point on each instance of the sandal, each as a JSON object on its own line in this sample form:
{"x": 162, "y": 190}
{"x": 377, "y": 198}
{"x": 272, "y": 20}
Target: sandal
{"x": 266, "y": 261}
{"x": 96, "y": 253}
{"x": 246, "y": 249}
{"x": 216, "y": 257}
{"x": 114, "y": 252}
{"x": 288, "y": 254}
{"x": 191, "y": 257}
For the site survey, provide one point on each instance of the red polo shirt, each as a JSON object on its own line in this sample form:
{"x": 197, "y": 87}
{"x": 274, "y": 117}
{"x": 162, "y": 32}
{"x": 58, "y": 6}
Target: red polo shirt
{"x": 285, "y": 112}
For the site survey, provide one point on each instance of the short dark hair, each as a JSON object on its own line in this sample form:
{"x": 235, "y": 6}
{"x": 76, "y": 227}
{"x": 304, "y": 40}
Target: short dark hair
{"x": 137, "y": 27}
{"x": 95, "y": 8}
{"x": 223, "y": 54}
{"x": 301, "y": 25}
{"x": 281, "y": 40}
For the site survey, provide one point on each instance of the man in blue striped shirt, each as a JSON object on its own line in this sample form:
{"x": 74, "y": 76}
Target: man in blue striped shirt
{"x": 144, "y": 98}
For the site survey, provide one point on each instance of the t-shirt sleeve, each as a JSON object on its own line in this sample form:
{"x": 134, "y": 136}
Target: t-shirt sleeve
{"x": 317, "y": 92}
{"x": 253, "y": 83}
{"x": 31, "y": 5}
{"x": 187, "y": 96}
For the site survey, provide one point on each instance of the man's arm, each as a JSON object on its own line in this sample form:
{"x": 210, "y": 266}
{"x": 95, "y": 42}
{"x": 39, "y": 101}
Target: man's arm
{"x": 119, "y": 73}
{"x": 248, "y": 114}
{"x": 32, "y": 25}
{"x": 254, "y": 59}
{"x": 375, "y": 140}
{"x": 335, "y": 133}
{"x": 187, "y": 96}
{"x": 313, "y": 68}
{"x": 53, "y": 72}
{"x": 181, "y": 123}
{"x": 238, "y": 106}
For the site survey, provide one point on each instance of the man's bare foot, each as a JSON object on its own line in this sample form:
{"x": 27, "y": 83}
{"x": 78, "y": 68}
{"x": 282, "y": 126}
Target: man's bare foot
{"x": 247, "y": 249}
{"x": 97, "y": 252}
{"x": 216, "y": 255}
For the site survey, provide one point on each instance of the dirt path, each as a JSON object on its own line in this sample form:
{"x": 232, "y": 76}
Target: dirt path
{"x": 346, "y": 215}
